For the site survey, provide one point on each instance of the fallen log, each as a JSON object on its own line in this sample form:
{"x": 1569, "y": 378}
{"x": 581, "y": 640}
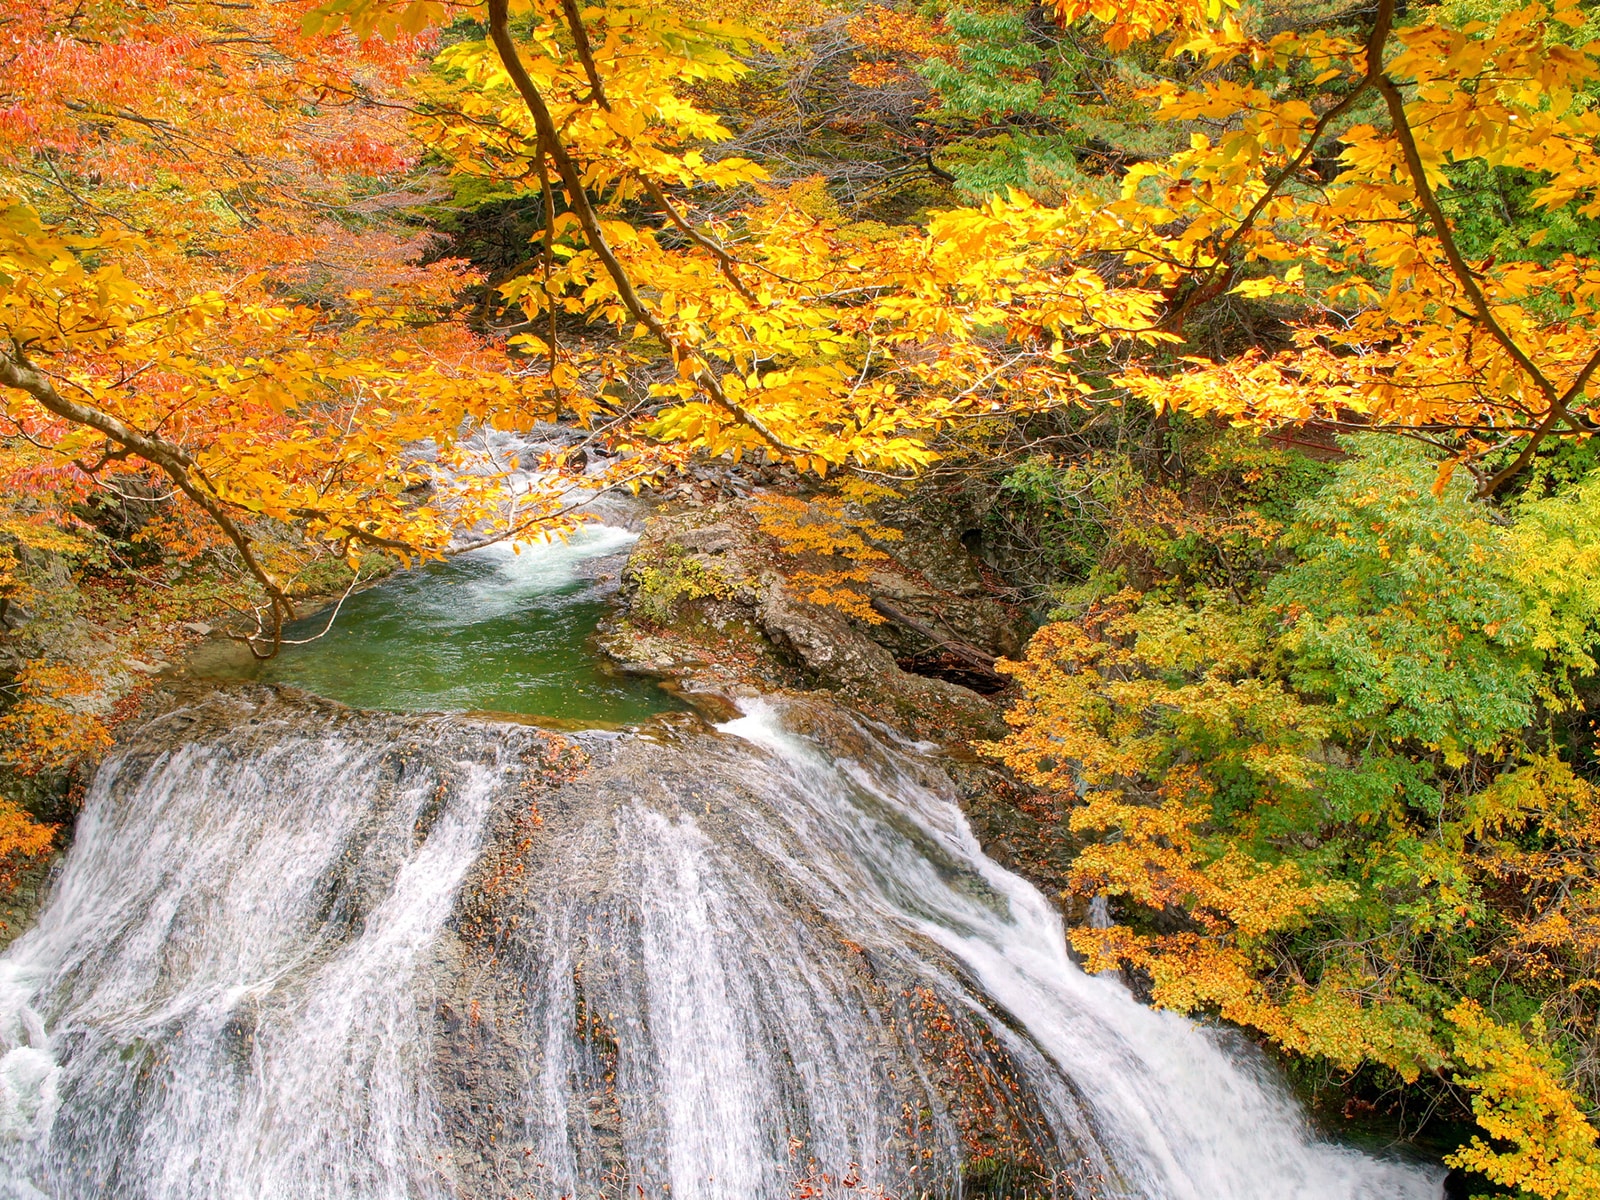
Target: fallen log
{"x": 969, "y": 654}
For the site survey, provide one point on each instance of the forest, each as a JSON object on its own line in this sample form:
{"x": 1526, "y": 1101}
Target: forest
{"x": 1255, "y": 340}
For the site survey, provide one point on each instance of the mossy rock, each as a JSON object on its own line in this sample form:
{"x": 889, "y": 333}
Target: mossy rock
{"x": 669, "y": 576}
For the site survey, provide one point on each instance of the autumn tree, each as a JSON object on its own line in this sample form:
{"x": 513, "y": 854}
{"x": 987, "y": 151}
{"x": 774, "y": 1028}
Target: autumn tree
{"x": 198, "y": 274}
{"x": 785, "y": 329}
{"x": 1352, "y": 812}
{"x": 202, "y": 274}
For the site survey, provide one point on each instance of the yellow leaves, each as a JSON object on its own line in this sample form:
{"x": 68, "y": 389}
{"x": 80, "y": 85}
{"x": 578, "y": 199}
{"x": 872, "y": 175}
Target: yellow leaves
{"x": 22, "y": 839}
{"x": 824, "y": 525}
{"x": 21, "y": 835}
{"x": 1127, "y": 22}
{"x": 366, "y": 18}
{"x": 1402, "y": 338}
{"x": 829, "y": 589}
{"x": 816, "y": 535}
{"x": 1254, "y": 389}
{"x": 1543, "y": 1143}
{"x": 51, "y": 724}
{"x": 1270, "y": 285}
{"x": 1544, "y": 788}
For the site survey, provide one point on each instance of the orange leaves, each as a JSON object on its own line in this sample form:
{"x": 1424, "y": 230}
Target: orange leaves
{"x": 823, "y": 525}
{"x": 1129, "y": 21}
{"x": 1290, "y": 387}
{"x": 1538, "y": 834}
{"x": 22, "y": 839}
{"x": 887, "y": 29}
{"x": 116, "y": 90}
{"x": 1396, "y": 327}
{"x": 818, "y": 532}
{"x": 279, "y": 356}
{"x": 1138, "y": 712}
{"x": 897, "y": 37}
{"x": 279, "y": 353}
{"x": 52, "y": 725}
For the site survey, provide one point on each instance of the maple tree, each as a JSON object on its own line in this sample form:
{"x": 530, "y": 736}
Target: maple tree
{"x": 199, "y": 278}
{"x": 1402, "y": 330}
{"x": 828, "y": 342}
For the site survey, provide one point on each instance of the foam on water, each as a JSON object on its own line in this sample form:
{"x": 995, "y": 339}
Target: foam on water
{"x": 1180, "y": 1112}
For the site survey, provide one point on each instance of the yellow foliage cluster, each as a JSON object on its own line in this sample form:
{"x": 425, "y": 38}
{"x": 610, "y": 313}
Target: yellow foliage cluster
{"x": 894, "y": 37}
{"x": 1519, "y": 1099}
{"x": 1423, "y": 338}
{"x": 1082, "y": 729}
{"x": 1140, "y": 711}
{"x": 47, "y": 726}
{"x": 22, "y": 840}
{"x": 814, "y": 532}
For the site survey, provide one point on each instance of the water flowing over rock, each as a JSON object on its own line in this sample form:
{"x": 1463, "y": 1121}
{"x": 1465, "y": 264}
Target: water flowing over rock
{"x": 298, "y": 951}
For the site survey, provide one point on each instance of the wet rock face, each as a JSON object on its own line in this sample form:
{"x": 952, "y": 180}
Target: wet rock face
{"x": 651, "y": 982}
{"x": 491, "y": 960}
{"x": 302, "y": 951}
{"x": 705, "y": 596}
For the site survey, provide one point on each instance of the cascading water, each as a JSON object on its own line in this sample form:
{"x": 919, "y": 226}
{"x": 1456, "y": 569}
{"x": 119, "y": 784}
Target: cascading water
{"x": 298, "y": 951}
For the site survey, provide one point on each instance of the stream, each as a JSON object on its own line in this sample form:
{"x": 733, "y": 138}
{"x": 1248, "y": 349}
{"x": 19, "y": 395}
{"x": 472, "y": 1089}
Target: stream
{"x": 299, "y": 950}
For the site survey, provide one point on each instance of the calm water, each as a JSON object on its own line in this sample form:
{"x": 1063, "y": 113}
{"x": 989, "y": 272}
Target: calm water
{"x": 504, "y": 630}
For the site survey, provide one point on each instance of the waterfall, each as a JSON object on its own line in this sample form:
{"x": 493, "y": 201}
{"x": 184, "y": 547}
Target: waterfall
{"x": 297, "y": 951}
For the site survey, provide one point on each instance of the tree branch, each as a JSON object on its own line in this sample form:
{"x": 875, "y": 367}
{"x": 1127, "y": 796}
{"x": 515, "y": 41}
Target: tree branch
{"x": 1383, "y": 22}
{"x": 1557, "y": 410}
{"x": 1447, "y": 241}
{"x": 578, "y": 199}
{"x": 17, "y": 372}
{"x": 709, "y": 245}
{"x": 580, "y": 38}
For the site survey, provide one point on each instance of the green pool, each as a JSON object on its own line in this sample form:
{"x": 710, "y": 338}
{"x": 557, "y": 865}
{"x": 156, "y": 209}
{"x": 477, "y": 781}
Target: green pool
{"x": 504, "y": 630}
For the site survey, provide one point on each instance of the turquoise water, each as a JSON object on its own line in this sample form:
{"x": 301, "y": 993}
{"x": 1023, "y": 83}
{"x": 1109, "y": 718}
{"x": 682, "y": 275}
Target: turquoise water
{"x": 501, "y": 630}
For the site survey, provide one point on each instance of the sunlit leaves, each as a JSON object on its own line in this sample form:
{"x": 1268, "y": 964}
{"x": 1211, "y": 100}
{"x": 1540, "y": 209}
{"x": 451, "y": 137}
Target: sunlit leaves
{"x": 1543, "y": 1145}
{"x": 1393, "y": 331}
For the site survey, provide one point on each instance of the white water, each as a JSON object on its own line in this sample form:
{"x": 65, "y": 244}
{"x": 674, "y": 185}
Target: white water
{"x": 257, "y": 980}
{"x": 521, "y": 572}
{"x": 1178, "y": 1111}
{"x": 229, "y": 970}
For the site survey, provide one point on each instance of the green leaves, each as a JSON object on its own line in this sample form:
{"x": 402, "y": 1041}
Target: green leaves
{"x": 1339, "y": 813}
{"x": 1402, "y": 611}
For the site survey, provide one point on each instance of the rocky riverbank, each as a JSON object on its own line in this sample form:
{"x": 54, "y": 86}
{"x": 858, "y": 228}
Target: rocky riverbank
{"x": 710, "y": 603}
